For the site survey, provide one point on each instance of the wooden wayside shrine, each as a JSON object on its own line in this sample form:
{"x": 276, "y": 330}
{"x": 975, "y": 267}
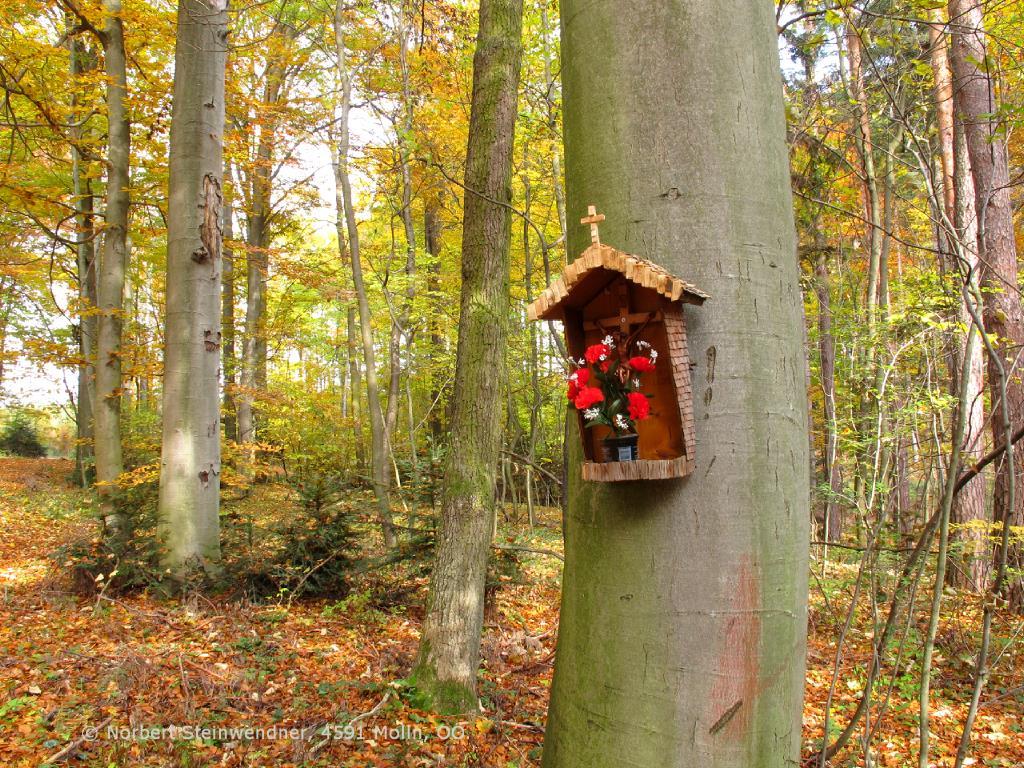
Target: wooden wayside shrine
{"x": 608, "y": 292}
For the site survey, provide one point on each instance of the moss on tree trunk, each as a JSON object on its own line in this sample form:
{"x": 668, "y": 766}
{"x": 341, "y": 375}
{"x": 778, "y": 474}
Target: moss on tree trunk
{"x": 449, "y": 653}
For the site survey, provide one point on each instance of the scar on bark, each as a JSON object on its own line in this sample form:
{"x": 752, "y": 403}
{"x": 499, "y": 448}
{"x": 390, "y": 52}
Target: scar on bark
{"x": 210, "y": 228}
{"x": 728, "y": 715}
{"x": 211, "y": 341}
{"x": 204, "y": 476}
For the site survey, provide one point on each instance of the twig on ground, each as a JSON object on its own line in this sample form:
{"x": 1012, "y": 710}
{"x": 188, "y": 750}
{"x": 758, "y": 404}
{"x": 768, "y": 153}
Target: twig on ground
{"x": 87, "y": 735}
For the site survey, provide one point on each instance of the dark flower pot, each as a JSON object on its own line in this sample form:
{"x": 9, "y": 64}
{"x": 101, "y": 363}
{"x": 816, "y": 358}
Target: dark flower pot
{"x": 620, "y": 448}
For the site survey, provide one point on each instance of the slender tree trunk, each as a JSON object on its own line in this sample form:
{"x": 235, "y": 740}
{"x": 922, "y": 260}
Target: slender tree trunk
{"x": 254, "y": 347}
{"x": 227, "y": 315}
{"x": 432, "y": 238}
{"x": 865, "y": 149}
{"x": 400, "y": 321}
{"x": 110, "y": 279}
{"x": 832, "y": 522}
{"x": 356, "y": 387}
{"x": 550, "y": 101}
{"x": 5, "y": 317}
{"x": 866, "y": 153}
{"x": 959, "y": 246}
{"x": 379, "y": 448}
{"x": 449, "y": 652}
{"x": 188, "y": 524}
{"x": 683, "y": 617}
{"x": 974, "y": 102}
{"x": 535, "y": 393}
{"x": 85, "y": 224}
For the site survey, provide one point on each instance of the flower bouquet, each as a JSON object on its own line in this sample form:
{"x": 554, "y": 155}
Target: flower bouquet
{"x": 606, "y": 390}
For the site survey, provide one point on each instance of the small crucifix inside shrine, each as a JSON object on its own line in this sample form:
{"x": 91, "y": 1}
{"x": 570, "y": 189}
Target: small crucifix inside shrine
{"x": 607, "y": 296}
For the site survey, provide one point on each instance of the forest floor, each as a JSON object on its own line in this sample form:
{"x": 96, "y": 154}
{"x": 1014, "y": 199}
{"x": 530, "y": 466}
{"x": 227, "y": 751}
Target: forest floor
{"x": 78, "y": 674}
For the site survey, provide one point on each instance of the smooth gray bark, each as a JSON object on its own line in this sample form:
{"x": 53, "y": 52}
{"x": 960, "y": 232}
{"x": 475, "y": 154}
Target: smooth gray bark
{"x": 110, "y": 278}
{"x": 85, "y": 233}
{"x": 683, "y": 618}
{"x": 188, "y": 523}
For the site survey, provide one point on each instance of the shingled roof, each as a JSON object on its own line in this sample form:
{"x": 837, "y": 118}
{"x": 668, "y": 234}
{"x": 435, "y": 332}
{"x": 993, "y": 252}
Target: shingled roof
{"x": 599, "y": 265}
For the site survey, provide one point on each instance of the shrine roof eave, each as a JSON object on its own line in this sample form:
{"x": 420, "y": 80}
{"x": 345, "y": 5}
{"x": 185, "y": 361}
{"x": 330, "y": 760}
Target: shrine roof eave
{"x": 585, "y": 273}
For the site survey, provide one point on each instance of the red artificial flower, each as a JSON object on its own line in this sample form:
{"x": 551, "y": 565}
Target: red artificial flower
{"x": 605, "y": 365}
{"x": 641, "y": 364}
{"x": 587, "y": 397}
{"x": 639, "y": 406}
{"x": 577, "y": 382}
{"x": 595, "y": 352}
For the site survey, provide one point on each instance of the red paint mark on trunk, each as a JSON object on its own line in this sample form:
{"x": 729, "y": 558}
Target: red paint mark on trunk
{"x": 732, "y": 696}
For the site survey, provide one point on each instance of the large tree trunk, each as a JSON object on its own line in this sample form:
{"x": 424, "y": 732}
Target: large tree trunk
{"x": 959, "y": 246}
{"x": 188, "y": 524}
{"x": 683, "y": 617}
{"x": 449, "y": 652}
{"x": 975, "y": 103}
{"x": 346, "y": 208}
{"x": 110, "y": 279}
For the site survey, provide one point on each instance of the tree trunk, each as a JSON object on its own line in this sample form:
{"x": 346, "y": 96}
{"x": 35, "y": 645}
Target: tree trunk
{"x": 110, "y": 280}
{"x": 959, "y": 246}
{"x": 188, "y": 524}
{"x": 432, "y": 240}
{"x": 85, "y": 224}
{"x": 683, "y": 617}
{"x": 254, "y": 348}
{"x": 449, "y": 652}
{"x": 550, "y": 101}
{"x": 227, "y": 315}
{"x": 832, "y": 520}
{"x": 400, "y": 321}
{"x": 379, "y": 448}
{"x": 356, "y": 386}
{"x": 1003, "y": 316}
{"x": 536, "y": 400}
{"x": 866, "y": 153}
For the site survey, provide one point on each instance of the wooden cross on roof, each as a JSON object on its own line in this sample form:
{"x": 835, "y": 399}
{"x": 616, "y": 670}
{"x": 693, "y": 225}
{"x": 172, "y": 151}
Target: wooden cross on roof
{"x": 592, "y": 218}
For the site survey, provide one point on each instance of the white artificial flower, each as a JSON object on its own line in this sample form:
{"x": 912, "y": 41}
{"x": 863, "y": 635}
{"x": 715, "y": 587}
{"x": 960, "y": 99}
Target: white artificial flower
{"x": 621, "y": 422}
{"x": 642, "y": 344}
{"x": 591, "y": 413}
{"x": 654, "y": 355}
{"x": 636, "y": 383}
{"x": 608, "y": 341}
{"x": 574, "y": 377}
{"x": 602, "y": 358}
